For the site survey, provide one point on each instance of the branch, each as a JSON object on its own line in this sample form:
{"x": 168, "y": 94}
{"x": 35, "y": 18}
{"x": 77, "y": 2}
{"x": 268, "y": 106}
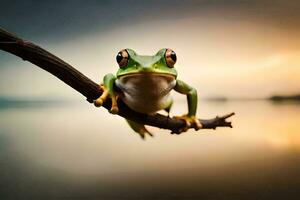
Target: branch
{"x": 72, "y": 77}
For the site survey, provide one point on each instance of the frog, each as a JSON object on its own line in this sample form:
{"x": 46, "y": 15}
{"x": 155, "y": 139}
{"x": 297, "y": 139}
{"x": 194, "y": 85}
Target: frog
{"x": 144, "y": 84}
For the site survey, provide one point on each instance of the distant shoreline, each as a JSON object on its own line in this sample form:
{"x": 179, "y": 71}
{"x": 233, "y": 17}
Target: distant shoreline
{"x": 285, "y": 98}
{"x": 275, "y": 98}
{"x": 7, "y": 102}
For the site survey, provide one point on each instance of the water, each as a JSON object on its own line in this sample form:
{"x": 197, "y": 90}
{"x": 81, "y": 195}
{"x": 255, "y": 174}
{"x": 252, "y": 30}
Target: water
{"x": 78, "y": 151}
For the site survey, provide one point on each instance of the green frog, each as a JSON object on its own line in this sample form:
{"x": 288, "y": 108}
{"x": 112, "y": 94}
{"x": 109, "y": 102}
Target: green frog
{"x": 144, "y": 84}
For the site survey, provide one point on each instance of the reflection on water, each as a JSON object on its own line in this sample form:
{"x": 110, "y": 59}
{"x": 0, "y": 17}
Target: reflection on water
{"x": 77, "y": 151}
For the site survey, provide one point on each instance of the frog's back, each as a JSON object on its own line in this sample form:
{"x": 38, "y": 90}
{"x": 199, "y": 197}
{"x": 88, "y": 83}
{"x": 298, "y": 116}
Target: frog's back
{"x": 146, "y": 93}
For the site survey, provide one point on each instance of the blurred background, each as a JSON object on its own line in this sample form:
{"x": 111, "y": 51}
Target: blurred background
{"x": 241, "y": 56}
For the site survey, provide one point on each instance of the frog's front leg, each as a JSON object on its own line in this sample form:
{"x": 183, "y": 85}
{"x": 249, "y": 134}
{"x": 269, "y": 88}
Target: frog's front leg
{"x": 192, "y": 99}
{"x": 108, "y": 92}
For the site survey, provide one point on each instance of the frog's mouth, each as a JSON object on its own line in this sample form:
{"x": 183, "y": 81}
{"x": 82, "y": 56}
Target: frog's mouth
{"x": 148, "y": 74}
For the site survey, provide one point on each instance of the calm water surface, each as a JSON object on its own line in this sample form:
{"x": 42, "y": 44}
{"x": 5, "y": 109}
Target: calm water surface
{"x": 77, "y": 151}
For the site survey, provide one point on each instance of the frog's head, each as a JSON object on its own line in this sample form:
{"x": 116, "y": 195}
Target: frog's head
{"x": 161, "y": 63}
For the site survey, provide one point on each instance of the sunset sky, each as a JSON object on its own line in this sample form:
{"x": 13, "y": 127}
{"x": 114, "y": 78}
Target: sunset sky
{"x": 224, "y": 48}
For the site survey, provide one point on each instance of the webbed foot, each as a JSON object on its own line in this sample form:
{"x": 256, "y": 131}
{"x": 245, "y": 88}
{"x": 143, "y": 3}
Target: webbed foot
{"x": 189, "y": 122}
{"x": 139, "y": 128}
{"x": 105, "y": 95}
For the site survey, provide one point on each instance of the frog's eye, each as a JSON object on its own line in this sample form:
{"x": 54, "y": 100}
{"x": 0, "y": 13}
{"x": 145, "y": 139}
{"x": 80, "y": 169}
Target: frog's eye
{"x": 122, "y": 58}
{"x": 170, "y": 57}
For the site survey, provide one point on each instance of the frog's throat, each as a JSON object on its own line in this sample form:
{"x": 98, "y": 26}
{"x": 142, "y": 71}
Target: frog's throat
{"x": 146, "y": 92}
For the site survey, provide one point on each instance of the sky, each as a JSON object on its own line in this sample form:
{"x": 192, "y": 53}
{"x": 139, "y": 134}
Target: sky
{"x": 224, "y": 48}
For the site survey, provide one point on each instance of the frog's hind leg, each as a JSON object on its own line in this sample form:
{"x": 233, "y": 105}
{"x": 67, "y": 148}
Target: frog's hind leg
{"x": 139, "y": 128}
{"x": 169, "y": 106}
